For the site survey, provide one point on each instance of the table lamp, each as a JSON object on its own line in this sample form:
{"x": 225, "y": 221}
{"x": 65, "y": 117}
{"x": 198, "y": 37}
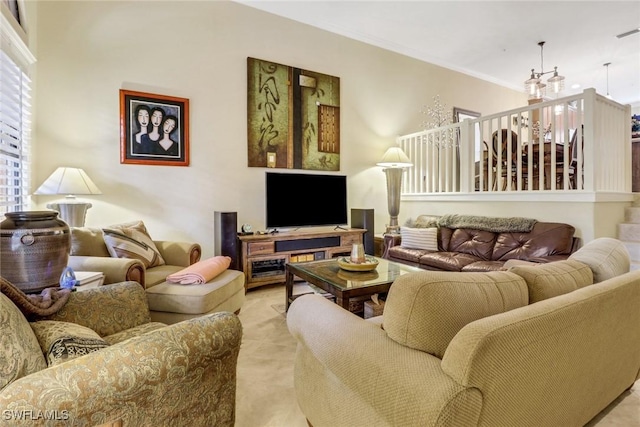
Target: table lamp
{"x": 69, "y": 181}
{"x": 394, "y": 162}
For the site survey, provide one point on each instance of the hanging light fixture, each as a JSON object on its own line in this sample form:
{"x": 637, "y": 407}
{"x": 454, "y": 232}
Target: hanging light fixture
{"x": 607, "y": 65}
{"x": 534, "y": 86}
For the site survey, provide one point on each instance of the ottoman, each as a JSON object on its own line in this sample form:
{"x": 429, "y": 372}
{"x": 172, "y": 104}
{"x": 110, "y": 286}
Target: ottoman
{"x": 171, "y": 303}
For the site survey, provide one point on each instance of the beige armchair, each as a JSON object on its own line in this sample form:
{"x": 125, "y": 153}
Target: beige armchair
{"x": 89, "y": 253}
{"x": 149, "y": 374}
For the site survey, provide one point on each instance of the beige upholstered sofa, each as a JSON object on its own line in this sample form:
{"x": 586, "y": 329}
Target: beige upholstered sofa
{"x": 169, "y": 303}
{"x": 538, "y": 345}
{"x": 144, "y": 373}
{"x": 89, "y": 252}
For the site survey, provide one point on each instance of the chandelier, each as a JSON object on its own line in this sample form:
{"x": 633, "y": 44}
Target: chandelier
{"x": 534, "y": 85}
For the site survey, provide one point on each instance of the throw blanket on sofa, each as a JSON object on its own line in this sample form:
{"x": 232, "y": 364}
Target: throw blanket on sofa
{"x": 485, "y": 223}
{"x": 201, "y": 271}
{"x": 47, "y": 302}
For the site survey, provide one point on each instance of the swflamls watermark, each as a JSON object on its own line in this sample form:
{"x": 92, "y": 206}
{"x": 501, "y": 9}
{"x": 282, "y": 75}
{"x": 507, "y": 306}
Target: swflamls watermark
{"x": 34, "y": 414}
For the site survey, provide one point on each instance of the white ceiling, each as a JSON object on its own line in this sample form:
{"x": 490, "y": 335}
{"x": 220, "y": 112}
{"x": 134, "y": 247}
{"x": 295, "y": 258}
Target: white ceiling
{"x": 494, "y": 40}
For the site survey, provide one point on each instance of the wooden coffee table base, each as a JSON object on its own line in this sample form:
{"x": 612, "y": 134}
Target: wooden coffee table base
{"x": 344, "y": 285}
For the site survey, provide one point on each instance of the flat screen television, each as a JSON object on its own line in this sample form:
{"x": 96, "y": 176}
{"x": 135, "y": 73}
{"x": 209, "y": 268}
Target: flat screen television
{"x": 304, "y": 200}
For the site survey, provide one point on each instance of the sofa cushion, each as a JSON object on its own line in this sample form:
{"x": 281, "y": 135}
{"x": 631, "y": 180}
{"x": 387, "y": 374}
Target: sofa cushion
{"x": 195, "y": 299}
{"x": 425, "y": 310}
{"x": 484, "y": 266}
{"x": 132, "y": 240}
{"x": 419, "y": 238}
{"x": 553, "y": 279}
{"x": 62, "y": 341}
{"x": 156, "y": 275}
{"x": 133, "y": 332}
{"x": 20, "y": 354}
{"x": 605, "y": 256}
{"x": 406, "y": 254}
{"x": 546, "y": 238}
{"x": 447, "y": 261}
{"x": 473, "y": 242}
{"x": 88, "y": 241}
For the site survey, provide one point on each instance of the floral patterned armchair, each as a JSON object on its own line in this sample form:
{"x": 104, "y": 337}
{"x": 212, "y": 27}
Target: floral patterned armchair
{"x": 134, "y": 372}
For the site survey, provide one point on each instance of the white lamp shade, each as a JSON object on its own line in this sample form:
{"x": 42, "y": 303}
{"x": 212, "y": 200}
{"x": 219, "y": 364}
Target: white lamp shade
{"x": 395, "y": 158}
{"x": 69, "y": 181}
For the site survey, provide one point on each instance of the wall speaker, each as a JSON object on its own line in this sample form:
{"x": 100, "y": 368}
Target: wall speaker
{"x": 363, "y": 218}
{"x": 226, "y": 237}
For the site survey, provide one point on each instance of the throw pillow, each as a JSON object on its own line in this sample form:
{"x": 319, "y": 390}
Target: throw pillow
{"x": 131, "y": 240}
{"x": 553, "y": 279}
{"x": 20, "y": 353}
{"x": 425, "y": 310}
{"x": 62, "y": 341}
{"x": 419, "y": 238}
{"x": 88, "y": 241}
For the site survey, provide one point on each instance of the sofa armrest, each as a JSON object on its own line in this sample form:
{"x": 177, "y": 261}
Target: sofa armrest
{"x": 390, "y": 240}
{"x": 115, "y": 270}
{"x": 183, "y": 374}
{"x": 340, "y": 357}
{"x": 107, "y": 309}
{"x": 527, "y": 361}
{"x": 548, "y": 258}
{"x": 182, "y": 254}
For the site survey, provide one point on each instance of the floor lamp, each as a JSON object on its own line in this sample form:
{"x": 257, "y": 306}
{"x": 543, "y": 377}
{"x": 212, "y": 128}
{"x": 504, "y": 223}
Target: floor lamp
{"x": 394, "y": 162}
{"x": 69, "y": 181}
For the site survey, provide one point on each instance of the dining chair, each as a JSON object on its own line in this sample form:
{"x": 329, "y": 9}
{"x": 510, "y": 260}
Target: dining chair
{"x": 510, "y": 169}
{"x": 573, "y": 163}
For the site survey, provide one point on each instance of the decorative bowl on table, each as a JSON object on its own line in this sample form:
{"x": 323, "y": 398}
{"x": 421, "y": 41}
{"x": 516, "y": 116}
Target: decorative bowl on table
{"x": 370, "y": 263}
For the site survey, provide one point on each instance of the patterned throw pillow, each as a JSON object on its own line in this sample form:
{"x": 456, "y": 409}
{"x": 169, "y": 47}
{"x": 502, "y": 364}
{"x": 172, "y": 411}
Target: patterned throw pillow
{"x": 419, "y": 238}
{"x": 132, "y": 241}
{"x": 62, "y": 341}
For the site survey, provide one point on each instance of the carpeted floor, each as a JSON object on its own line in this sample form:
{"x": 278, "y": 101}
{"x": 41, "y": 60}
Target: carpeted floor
{"x": 279, "y": 308}
{"x": 265, "y": 396}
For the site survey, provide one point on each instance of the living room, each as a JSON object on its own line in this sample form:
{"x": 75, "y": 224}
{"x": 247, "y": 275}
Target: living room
{"x": 106, "y": 48}
{"x": 383, "y": 95}
{"x": 87, "y": 51}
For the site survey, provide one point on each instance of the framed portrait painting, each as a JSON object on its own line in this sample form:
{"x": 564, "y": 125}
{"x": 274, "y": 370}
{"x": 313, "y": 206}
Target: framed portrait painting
{"x": 154, "y": 129}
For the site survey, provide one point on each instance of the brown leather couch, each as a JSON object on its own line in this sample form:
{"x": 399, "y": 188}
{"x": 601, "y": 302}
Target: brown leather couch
{"x": 468, "y": 249}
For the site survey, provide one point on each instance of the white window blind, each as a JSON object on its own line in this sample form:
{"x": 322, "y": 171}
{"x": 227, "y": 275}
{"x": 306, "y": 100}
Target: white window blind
{"x": 15, "y": 133}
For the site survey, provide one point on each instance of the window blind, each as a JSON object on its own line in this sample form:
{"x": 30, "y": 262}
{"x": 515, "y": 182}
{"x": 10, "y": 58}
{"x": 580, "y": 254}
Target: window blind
{"x": 15, "y": 136}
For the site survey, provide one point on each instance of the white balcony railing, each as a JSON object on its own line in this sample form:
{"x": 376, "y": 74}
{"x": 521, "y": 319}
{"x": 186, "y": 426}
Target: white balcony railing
{"x": 577, "y": 143}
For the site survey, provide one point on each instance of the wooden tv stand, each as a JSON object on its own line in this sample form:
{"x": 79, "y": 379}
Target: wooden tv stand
{"x": 263, "y": 256}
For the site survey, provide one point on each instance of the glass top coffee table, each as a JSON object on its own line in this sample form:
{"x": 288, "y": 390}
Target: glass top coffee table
{"x": 342, "y": 284}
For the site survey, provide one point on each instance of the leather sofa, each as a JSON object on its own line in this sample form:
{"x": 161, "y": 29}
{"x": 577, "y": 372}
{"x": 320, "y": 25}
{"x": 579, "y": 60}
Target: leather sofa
{"x": 479, "y": 249}
{"x": 146, "y": 373}
{"x": 538, "y": 345}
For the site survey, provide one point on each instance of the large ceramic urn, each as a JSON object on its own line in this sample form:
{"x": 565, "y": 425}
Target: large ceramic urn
{"x": 34, "y": 249}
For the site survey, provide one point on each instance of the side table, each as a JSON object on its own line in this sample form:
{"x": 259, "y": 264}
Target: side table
{"x": 88, "y": 279}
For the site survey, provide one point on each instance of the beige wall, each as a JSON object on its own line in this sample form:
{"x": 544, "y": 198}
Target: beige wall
{"x": 87, "y": 51}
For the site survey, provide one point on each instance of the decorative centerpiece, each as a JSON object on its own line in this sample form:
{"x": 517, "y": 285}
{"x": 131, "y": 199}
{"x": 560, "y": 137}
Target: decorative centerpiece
{"x": 369, "y": 263}
{"x": 34, "y": 249}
